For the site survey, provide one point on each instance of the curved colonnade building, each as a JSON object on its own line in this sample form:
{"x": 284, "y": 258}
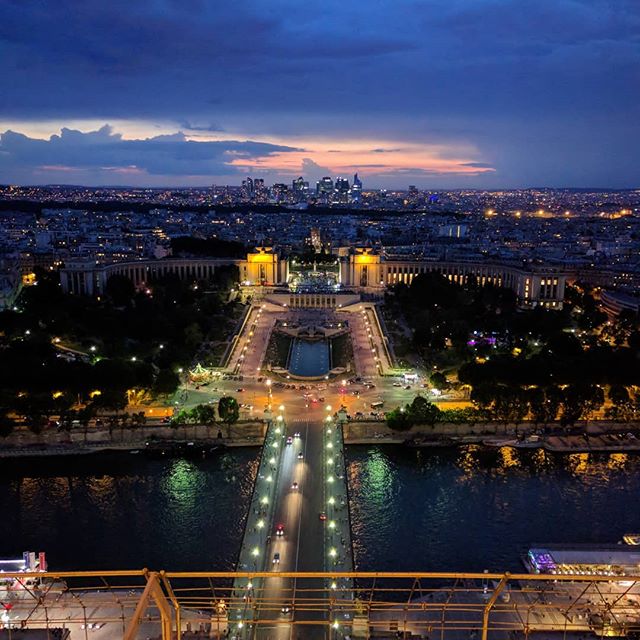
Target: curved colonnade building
{"x": 361, "y": 270}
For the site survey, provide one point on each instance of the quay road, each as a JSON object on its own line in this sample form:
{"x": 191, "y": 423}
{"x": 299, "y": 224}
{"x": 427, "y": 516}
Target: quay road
{"x": 301, "y": 527}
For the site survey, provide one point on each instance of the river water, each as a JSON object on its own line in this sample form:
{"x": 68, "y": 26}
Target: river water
{"x": 450, "y": 509}
{"x": 471, "y": 509}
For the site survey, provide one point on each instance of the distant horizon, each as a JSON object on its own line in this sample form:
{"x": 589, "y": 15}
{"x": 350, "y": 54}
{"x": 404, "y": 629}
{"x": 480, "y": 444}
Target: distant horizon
{"x": 365, "y": 190}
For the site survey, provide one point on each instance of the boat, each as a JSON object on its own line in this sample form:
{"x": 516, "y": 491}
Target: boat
{"x": 632, "y": 539}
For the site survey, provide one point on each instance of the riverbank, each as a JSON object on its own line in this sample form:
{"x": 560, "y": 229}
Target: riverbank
{"x": 155, "y": 439}
{"x": 593, "y": 437}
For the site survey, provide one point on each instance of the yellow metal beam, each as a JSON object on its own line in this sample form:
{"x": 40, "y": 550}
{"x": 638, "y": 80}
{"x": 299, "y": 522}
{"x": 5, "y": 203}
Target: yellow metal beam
{"x": 487, "y": 610}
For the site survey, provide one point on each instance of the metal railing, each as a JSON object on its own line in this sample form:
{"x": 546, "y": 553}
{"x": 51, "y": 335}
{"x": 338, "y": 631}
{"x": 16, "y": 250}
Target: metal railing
{"x": 152, "y": 604}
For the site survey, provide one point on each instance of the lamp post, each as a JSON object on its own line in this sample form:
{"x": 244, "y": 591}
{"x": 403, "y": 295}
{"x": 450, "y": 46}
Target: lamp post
{"x": 268, "y": 383}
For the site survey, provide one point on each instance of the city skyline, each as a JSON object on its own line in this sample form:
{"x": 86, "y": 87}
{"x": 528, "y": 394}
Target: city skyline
{"x": 441, "y": 95}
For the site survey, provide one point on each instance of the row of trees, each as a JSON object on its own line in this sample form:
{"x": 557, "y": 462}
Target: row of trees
{"x": 513, "y": 405}
{"x": 228, "y": 412}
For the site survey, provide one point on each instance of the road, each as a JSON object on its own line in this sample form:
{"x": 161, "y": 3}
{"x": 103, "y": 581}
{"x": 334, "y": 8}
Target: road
{"x": 313, "y": 459}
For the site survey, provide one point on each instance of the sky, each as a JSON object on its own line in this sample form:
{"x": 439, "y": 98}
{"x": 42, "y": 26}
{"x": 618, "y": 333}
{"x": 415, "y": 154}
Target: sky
{"x": 434, "y": 93}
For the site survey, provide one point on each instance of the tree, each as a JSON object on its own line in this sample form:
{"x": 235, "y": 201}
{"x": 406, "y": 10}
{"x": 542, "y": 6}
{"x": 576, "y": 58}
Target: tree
{"x": 203, "y": 414}
{"x": 6, "y": 425}
{"x": 483, "y": 396}
{"x": 120, "y": 289}
{"x": 580, "y": 401}
{"x": 423, "y": 411}
{"x": 438, "y": 380}
{"x": 193, "y": 335}
{"x": 228, "y": 410}
{"x": 544, "y": 403}
{"x": 622, "y": 406}
{"x": 166, "y": 382}
{"x": 111, "y": 399}
{"x": 510, "y": 404}
{"x": 399, "y": 419}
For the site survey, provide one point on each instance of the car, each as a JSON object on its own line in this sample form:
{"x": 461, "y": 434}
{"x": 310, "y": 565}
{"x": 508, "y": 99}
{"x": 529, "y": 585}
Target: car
{"x": 286, "y": 609}
{"x": 276, "y": 558}
{"x": 294, "y": 486}
{"x": 397, "y": 384}
{"x": 322, "y": 515}
{"x": 408, "y": 387}
{"x": 300, "y": 455}
{"x": 321, "y": 399}
{"x": 289, "y": 440}
{"x": 296, "y": 434}
{"x": 280, "y": 530}
{"x": 239, "y": 390}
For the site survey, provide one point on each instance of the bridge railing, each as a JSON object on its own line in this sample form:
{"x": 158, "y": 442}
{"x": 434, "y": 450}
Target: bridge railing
{"x": 151, "y": 604}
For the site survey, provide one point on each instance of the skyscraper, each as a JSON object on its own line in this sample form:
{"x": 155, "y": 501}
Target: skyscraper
{"x": 356, "y": 189}
{"x": 324, "y": 186}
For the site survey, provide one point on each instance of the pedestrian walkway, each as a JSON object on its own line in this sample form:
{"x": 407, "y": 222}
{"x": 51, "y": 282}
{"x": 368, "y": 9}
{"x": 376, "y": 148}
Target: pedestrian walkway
{"x": 257, "y": 535}
{"x": 338, "y": 547}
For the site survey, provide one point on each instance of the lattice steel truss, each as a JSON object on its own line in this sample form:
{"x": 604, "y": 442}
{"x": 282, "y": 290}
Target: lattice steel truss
{"x": 152, "y": 604}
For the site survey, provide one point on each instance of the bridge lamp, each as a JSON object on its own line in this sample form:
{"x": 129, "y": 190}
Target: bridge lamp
{"x": 269, "y": 478}
{"x": 274, "y": 444}
{"x": 249, "y": 585}
{"x": 280, "y": 418}
{"x": 336, "y": 625}
{"x": 240, "y": 625}
{"x": 265, "y": 500}
{"x": 334, "y": 585}
{"x": 281, "y": 407}
{"x": 260, "y": 524}
{"x": 328, "y": 407}
{"x": 329, "y": 460}
{"x": 328, "y": 419}
{"x": 332, "y": 552}
{"x": 272, "y": 460}
{"x": 255, "y": 552}
{"x": 278, "y": 430}
{"x": 329, "y": 445}
{"x": 332, "y": 500}
{"x": 330, "y": 479}
{"x": 332, "y": 524}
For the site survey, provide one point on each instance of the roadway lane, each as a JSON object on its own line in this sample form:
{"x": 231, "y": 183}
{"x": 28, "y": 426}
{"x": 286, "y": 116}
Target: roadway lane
{"x": 289, "y": 507}
{"x": 312, "y": 550}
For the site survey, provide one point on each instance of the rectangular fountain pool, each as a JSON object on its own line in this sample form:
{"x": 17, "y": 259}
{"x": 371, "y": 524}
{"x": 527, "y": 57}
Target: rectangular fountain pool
{"x": 309, "y": 358}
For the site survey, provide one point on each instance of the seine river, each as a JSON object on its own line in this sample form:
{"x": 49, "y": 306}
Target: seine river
{"x": 453, "y": 509}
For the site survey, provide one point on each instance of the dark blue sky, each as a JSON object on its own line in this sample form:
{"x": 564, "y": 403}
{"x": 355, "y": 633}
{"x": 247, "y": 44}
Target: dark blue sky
{"x": 440, "y": 93}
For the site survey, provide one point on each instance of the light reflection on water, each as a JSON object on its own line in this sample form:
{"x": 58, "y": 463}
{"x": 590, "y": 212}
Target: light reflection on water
{"x": 453, "y": 509}
{"x": 472, "y": 508}
{"x": 125, "y": 511}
